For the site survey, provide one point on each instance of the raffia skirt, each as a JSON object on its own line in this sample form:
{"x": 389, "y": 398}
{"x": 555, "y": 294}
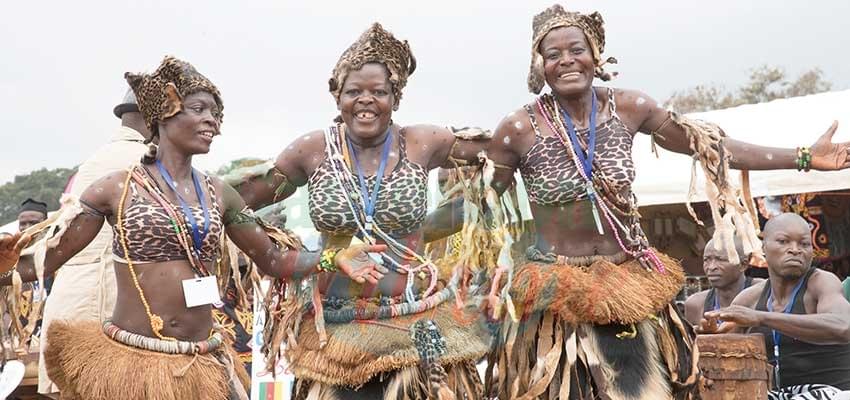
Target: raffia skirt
{"x": 378, "y": 359}
{"x": 604, "y": 331}
{"x": 85, "y": 363}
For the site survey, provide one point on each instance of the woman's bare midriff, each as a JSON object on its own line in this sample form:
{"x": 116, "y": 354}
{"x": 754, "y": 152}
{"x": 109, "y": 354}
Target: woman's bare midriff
{"x": 570, "y": 230}
{"x": 163, "y": 287}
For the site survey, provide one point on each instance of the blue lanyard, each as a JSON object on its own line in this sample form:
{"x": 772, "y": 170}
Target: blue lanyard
{"x": 776, "y": 335}
{"x": 717, "y": 298}
{"x": 586, "y": 159}
{"x": 370, "y": 199}
{"x": 197, "y": 236}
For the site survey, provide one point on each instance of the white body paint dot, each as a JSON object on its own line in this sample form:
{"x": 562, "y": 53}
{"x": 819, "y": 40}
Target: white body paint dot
{"x": 769, "y": 156}
{"x": 640, "y": 100}
{"x": 507, "y": 139}
{"x": 518, "y": 125}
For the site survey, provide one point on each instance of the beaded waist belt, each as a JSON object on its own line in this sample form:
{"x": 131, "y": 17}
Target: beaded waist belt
{"x": 159, "y": 345}
{"x": 534, "y": 254}
{"x": 347, "y": 310}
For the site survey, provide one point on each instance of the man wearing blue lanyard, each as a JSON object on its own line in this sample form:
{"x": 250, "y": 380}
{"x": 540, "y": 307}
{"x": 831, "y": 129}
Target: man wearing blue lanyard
{"x": 800, "y": 310}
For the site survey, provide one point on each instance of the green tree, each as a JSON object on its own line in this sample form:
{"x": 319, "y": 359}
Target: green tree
{"x": 766, "y": 83}
{"x": 43, "y": 185}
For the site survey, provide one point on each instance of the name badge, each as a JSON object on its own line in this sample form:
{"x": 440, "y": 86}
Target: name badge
{"x": 201, "y": 291}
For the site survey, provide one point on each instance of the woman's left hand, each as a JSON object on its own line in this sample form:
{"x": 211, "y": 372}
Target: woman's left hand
{"x": 828, "y": 156}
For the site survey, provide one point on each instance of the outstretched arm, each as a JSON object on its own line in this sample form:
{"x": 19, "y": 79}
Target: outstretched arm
{"x": 650, "y": 118}
{"x": 830, "y": 324}
{"x": 280, "y": 179}
{"x": 83, "y": 220}
{"x": 286, "y": 263}
{"x": 744, "y": 301}
{"x": 463, "y": 147}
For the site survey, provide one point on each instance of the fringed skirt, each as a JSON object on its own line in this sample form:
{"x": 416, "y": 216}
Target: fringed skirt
{"x": 377, "y": 359}
{"x": 604, "y": 331}
{"x": 85, "y": 363}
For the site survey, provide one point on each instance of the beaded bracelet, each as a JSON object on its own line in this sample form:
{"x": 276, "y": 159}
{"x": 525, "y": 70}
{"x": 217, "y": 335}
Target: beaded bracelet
{"x": 326, "y": 261}
{"x": 804, "y": 159}
{"x": 7, "y": 273}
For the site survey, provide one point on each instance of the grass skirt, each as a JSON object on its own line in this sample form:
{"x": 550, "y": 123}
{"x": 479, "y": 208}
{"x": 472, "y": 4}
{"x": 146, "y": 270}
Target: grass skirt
{"x": 600, "y": 332}
{"x": 380, "y": 361}
{"x": 601, "y": 293}
{"x": 86, "y": 364}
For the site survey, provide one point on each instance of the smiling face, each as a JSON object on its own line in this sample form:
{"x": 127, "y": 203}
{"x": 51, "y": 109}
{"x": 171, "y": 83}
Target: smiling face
{"x": 193, "y": 128}
{"x": 567, "y": 61}
{"x": 366, "y": 101}
{"x": 788, "y": 246}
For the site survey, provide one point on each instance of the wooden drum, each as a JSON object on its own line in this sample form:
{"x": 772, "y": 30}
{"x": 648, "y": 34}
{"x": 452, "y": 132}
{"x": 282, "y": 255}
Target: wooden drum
{"x": 734, "y": 367}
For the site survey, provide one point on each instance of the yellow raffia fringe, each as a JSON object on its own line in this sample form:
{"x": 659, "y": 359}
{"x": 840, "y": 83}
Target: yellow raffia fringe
{"x": 86, "y": 364}
{"x": 284, "y": 302}
{"x": 46, "y": 234}
{"x": 728, "y": 203}
{"x": 486, "y": 238}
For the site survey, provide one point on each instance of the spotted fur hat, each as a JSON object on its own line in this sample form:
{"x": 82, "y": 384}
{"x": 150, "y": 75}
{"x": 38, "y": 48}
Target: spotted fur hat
{"x": 556, "y": 17}
{"x": 375, "y": 45}
{"x": 160, "y": 95}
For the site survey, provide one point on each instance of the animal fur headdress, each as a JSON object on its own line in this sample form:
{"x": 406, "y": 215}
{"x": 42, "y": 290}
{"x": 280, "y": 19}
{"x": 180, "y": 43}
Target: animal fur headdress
{"x": 160, "y": 95}
{"x": 376, "y": 45}
{"x": 556, "y": 17}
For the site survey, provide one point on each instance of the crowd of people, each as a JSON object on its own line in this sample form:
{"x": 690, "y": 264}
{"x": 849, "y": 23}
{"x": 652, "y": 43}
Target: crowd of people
{"x": 135, "y": 308}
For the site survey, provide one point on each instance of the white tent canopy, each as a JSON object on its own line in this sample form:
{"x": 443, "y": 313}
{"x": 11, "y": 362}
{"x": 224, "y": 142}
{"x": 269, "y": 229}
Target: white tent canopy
{"x": 11, "y": 227}
{"x": 787, "y": 123}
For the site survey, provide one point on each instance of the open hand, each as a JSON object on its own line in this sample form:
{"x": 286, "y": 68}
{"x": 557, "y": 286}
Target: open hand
{"x": 732, "y": 317}
{"x": 828, "y": 156}
{"x": 10, "y": 250}
{"x": 355, "y": 262}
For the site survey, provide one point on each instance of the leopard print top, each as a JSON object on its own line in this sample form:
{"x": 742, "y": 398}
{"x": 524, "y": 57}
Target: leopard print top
{"x": 150, "y": 234}
{"x": 550, "y": 175}
{"x": 401, "y": 205}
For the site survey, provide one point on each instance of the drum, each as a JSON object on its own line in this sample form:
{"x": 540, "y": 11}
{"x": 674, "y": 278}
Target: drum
{"x": 734, "y": 367}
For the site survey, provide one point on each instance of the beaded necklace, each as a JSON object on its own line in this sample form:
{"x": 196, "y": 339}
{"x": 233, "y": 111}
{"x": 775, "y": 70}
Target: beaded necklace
{"x": 334, "y": 144}
{"x": 180, "y": 228}
{"x": 639, "y": 249}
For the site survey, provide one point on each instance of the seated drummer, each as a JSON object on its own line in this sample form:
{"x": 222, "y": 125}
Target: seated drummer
{"x": 801, "y": 306}
{"x": 727, "y": 279}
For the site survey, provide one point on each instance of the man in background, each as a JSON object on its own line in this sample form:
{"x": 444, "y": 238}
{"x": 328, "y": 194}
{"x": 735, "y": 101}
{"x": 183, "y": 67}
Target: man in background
{"x": 84, "y": 289}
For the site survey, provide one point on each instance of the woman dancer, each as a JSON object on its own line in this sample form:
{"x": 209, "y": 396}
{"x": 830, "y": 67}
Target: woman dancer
{"x": 169, "y": 221}
{"x": 593, "y": 317}
{"x": 367, "y": 178}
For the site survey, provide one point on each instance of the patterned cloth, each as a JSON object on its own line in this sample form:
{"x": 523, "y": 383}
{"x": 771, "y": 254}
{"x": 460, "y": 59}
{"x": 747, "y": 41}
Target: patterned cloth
{"x": 808, "y": 392}
{"x": 556, "y": 17}
{"x": 375, "y": 45}
{"x": 160, "y": 95}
